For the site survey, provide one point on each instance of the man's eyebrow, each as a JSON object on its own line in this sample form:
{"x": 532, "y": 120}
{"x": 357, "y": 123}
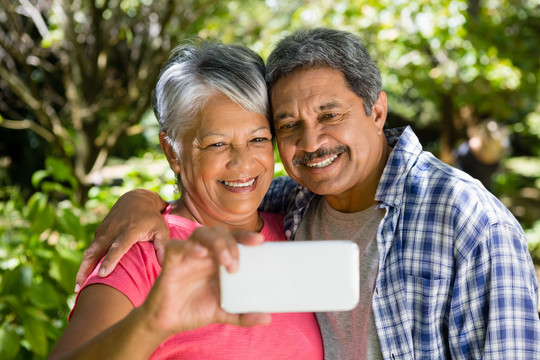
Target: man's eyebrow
{"x": 329, "y": 106}
{"x": 282, "y": 116}
{"x": 324, "y": 107}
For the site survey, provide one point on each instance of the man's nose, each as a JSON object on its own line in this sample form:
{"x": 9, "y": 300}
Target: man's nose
{"x": 311, "y": 139}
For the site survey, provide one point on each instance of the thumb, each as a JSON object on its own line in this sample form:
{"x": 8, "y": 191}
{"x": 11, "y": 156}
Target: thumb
{"x": 160, "y": 243}
{"x": 90, "y": 259}
{"x": 113, "y": 256}
{"x": 161, "y": 238}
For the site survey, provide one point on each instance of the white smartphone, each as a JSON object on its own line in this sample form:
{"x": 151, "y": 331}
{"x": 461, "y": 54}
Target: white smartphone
{"x": 293, "y": 276}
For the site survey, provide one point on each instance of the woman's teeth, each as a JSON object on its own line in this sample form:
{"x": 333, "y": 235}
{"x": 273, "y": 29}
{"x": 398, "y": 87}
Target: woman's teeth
{"x": 324, "y": 162}
{"x": 238, "y": 185}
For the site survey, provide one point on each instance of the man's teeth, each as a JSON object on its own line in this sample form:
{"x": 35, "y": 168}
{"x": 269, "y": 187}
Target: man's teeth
{"x": 239, "y": 185}
{"x": 323, "y": 163}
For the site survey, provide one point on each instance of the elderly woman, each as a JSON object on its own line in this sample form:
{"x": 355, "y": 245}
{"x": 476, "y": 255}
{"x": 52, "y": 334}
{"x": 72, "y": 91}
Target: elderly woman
{"x": 211, "y": 103}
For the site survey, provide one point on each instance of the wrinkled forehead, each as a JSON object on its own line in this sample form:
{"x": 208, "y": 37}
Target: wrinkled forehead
{"x": 317, "y": 88}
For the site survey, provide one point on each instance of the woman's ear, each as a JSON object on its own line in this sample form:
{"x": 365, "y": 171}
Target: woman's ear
{"x": 171, "y": 155}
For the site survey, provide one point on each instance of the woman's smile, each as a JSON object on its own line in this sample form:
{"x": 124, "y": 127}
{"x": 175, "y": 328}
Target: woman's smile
{"x": 246, "y": 185}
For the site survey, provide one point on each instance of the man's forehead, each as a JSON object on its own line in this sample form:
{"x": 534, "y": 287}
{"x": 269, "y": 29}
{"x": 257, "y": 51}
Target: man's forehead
{"x": 307, "y": 79}
{"x": 315, "y": 94}
{"x": 309, "y": 74}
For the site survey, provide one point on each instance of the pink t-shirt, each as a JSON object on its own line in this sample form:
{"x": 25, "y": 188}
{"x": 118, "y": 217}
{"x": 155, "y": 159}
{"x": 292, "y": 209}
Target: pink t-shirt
{"x": 289, "y": 336}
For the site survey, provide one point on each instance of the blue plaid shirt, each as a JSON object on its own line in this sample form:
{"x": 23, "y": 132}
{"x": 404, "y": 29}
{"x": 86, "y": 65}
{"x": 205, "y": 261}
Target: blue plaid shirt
{"x": 455, "y": 280}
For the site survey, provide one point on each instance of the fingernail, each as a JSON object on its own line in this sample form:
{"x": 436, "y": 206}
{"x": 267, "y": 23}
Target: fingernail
{"x": 102, "y": 272}
{"x": 200, "y": 250}
{"x": 225, "y": 257}
{"x": 233, "y": 267}
{"x": 77, "y": 288}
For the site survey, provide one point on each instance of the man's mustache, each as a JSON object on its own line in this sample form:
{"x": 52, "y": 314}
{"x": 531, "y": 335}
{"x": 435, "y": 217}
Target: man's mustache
{"x": 306, "y": 157}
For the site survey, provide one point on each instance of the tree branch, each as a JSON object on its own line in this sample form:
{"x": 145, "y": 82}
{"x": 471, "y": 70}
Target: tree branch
{"x": 30, "y": 125}
{"x": 41, "y": 26}
{"x": 44, "y": 114}
{"x": 19, "y": 88}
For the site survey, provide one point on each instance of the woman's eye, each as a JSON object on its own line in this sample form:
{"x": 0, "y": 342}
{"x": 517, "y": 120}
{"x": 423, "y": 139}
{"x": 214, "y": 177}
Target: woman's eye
{"x": 260, "y": 139}
{"x": 216, "y": 145}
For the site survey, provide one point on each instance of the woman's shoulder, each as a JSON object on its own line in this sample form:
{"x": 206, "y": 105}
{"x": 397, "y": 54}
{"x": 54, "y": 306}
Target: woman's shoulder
{"x": 179, "y": 227}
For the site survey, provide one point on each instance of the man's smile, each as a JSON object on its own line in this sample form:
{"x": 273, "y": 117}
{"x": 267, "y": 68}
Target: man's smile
{"x": 323, "y": 163}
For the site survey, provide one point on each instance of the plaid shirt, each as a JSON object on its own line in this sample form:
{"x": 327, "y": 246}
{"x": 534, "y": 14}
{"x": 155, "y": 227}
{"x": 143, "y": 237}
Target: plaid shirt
{"x": 455, "y": 276}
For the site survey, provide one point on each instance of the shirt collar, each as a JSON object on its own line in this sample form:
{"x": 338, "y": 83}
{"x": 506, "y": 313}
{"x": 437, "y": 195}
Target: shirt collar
{"x": 405, "y": 153}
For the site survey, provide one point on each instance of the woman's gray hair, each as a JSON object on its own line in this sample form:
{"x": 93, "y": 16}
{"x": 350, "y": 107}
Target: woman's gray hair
{"x": 321, "y": 47}
{"x": 194, "y": 73}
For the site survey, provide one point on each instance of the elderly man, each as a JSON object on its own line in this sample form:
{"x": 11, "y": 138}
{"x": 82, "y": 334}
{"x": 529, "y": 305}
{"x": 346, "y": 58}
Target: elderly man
{"x": 445, "y": 268}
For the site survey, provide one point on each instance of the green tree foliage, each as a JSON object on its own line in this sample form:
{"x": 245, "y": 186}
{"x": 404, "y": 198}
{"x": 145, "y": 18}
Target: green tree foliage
{"x": 41, "y": 246}
{"x": 446, "y": 64}
{"x": 80, "y": 74}
{"x": 40, "y": 250}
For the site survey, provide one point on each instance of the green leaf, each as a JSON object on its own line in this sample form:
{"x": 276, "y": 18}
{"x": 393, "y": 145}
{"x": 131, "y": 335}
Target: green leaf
{"x": 35, "y": 205}
{"x": 11, "y": 301}
{"x": 44, "y": 296}
{"x": 35, "y": 333}
{"x": 49, "y": 187}
{"x": 9, "y": 342}
{"x": 40, "y": 213}
{"x": 64, "y": 271}
{"x": 59, "y": 169}
{"x": 70, "y": 223}
{"x": 35, "y": 313}
{"x": 38, "y": 176}
{"x": 17, "y": 281}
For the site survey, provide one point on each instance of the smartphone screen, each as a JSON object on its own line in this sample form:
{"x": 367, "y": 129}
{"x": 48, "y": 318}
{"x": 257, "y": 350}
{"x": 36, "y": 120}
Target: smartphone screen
{"x": 293, "y": 276}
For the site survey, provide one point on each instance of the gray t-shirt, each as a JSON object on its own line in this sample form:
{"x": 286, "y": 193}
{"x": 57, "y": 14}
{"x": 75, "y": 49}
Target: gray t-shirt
{"x": 348, "y": 334}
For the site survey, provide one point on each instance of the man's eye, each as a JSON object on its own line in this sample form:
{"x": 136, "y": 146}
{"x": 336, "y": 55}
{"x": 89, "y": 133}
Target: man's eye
{"x": 287, "y": 126}
{"x": 329, "y": 116}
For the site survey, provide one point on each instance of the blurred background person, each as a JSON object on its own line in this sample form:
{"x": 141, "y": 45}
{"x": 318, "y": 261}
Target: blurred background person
{"x": 480, "y": 156}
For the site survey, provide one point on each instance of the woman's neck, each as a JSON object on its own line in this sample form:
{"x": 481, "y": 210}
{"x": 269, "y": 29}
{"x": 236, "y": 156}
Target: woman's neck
{"x": 188, "y": 209}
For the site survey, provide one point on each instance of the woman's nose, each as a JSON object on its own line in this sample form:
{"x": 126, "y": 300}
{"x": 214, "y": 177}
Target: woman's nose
{"x": 240, "y": 157}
